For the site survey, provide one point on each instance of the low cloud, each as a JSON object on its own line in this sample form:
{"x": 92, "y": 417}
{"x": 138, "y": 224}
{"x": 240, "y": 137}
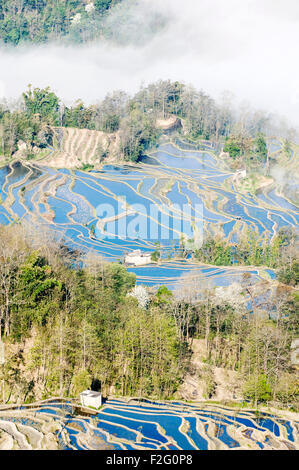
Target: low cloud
{"x": 249, "y": 47}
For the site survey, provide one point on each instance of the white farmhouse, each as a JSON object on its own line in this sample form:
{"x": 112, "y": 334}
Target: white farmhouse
{"x": 137, "y": 258}
{"x": 90, "y": 398}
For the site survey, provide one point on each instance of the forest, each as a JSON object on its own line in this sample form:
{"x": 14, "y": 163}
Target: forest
{"x": 242, "y": 134}
{"x": 76, "y": 22}
{"x": 38, "y": 21}
{"x": 70, "y": 321}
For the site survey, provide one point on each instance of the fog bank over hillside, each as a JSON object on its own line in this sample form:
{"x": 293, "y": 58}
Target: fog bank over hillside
{"x": 248, "y": 47}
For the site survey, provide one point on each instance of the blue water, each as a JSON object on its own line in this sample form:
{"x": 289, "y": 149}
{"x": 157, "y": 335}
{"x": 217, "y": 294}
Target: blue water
{"x": 125, "y": 421}
{"x": 271, "y": 273}
{"x": 197, "y": 182}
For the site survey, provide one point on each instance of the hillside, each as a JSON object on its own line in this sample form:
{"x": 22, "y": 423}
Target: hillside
{"x": 76, "y": 148}
{"x": 205, "y": 381}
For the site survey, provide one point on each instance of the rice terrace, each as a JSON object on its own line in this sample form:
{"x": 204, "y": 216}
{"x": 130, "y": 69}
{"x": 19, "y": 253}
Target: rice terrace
{"x": 149, "y": 227}
{"x": 66, "y": 201}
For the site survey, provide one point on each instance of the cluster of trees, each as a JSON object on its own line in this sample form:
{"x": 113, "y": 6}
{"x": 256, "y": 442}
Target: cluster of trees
{"x": 38, "y": 21}
{"x": 31, "y": 123}
{"x": 280, "y": 253}
{"x": 244, "y": 147}
{"x": 135, "y": 119}
{"x": 82, "y": 327}
{"x": 41, "y": 110}
{"x": 253, "y": 341}
{"x": 17, "y": 127}
{"x": 78, "y": 21}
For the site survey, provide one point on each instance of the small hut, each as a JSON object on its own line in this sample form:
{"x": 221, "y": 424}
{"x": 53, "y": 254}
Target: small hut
{"x": 137, "y": 258}
{"x": 90, "y": 398}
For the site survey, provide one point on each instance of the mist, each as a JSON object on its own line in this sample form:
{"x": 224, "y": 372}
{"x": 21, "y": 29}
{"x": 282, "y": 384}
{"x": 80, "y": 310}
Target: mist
{"x": 248, "y": 47}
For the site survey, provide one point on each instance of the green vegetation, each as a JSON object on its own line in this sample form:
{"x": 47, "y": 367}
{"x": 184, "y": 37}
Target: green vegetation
{"x": 26, "y": 128}
{"x": 134, "y": 119}
{"x": 155, "y": 256}
{"x": 257, "y": 389}
{"x": 81, "y": 381}
{"x": 82, "y": 325}
{"x": 244, "y": 148}
{"x": 163, "y": 296}
{"x": 260, "y": 148}
{"x": 281, "y": 252}
{"x": 233, "y": 146}
{"x": 39, "y": 21}
{"x": 42, "y": 102}
{"x": 287, "y": 148}
{"x": 289, "y": 274}
{"x": 33, "y": 124}
{"x": 65, "y": 329}
{"x": 92, "y": 229}
{"x": 87, "y": 167}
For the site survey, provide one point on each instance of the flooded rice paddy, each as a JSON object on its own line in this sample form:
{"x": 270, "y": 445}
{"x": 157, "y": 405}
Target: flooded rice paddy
{"x": 176, "y": 190}
{"x": 151, "y": 425}
{"x": 84, "y": 208}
